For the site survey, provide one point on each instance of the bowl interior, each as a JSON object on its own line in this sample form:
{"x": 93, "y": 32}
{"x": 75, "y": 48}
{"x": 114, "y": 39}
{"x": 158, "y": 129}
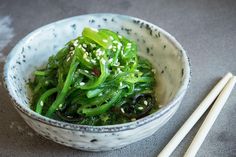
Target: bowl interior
{"x": 167, "y": 57}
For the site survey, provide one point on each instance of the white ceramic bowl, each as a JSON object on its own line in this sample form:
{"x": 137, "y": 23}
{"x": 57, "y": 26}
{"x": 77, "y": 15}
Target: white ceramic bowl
{"x": 166, "y": 54}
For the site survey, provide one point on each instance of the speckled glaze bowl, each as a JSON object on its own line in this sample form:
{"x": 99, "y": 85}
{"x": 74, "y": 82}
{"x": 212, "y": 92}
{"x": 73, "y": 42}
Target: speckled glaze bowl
{"x": 166, "y": 54}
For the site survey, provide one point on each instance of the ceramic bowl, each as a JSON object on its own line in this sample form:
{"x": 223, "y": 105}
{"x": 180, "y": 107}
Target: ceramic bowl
{"x": 163, "y": 50}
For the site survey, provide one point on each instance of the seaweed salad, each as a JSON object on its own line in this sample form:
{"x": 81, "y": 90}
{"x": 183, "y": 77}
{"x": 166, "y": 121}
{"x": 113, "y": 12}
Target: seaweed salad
{"x": 96, "y": 79}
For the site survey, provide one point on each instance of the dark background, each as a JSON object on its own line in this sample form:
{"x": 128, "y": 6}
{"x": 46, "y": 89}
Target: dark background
{"x": 205, "y": 28}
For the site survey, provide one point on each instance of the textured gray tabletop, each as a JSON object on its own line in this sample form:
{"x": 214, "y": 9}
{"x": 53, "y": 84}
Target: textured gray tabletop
{"x": 205, "y": 28}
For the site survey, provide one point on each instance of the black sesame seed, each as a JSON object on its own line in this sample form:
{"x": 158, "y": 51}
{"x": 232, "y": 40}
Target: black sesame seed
{"x": 22, "y": 50}
{"x": 94, "y": 140}
{"x": 151, "y": 32}
{"x": 99, "y": 26}
{"x": 148, "y": 50}
{"x": 164, "y": 46}
{"x": 112, "y": 20}
{"x": 162, "y": 71}
{"x": 104, "y": 19}
{"x": 18, "y": 62}
{"x": 182, "y": 72}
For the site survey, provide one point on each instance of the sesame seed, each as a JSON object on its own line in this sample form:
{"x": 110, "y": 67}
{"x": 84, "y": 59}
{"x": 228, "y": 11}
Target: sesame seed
{"x": 110, "y": 47}
{"x": 111, "y": 38}
{"x": 140, "y": 108}
{"x": 60, "y": 106}
{"x": 119, "y": 45}
{"x": 93, "y": 61}
{"x": 122, "y": 110}
{"x": 81, "y": 83}
{"x": 84, "y": 45}
{"x": 41, "y": 103}
{"x": 94, "y": 29}
{"x": 133, "y": 119}
{"x": 105, "y": 41}
{"x": 83, "y": 49}
{"x": 145, "y": 102}
{"x": 100, "y": 94}
{"x": 75, "y": 44}
{"x": 115, "y": 42}
{"x": 68, "y": 59}
{"x": 110, "y": 60}
{"x": 85, "y": 55}
{"x": 129, "y": 44}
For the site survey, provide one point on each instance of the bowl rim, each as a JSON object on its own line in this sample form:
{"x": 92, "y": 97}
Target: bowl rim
{"x": 105, "y": 128}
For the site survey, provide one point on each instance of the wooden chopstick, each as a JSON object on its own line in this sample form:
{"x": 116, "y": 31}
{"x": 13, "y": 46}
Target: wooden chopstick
{"x": 210, "y": 119}
{"x": 195, "y": 116}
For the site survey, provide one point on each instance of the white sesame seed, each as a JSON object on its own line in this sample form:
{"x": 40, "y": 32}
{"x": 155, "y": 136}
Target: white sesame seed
{"x": 119, "y": 45}
{"x": 110, "y": 60}
{"x": 81, "y": 83}
{"x": 94, "y": 29}
{"x": 41, "y": 103}
{"x": 93, "y": 61}
{"x": 85, "y": 55}
{"x": 129, "y": 44}
{"x": 110, "y": 47}
{"x": 84, "y": 45}
{"x": 100, "y": 94}
{"x": 115, "y": 42}
{"x": 140, "y": 108}
{"x": 75, "y": 44}
{"x": 60, "y": 106}
{"x": 133, "y": 119}
{"x": 83, "y": 49}
{"x": 105, "y": 41}
{"x": 122, "y": 110}
{"x": 111, "y": 37}
{"x": 68, "y": 59}
{"x": 145, "y": 102}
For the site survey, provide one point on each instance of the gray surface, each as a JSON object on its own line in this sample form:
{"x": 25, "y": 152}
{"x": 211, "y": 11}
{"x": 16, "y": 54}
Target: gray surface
{"x": 207, "y": 30}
